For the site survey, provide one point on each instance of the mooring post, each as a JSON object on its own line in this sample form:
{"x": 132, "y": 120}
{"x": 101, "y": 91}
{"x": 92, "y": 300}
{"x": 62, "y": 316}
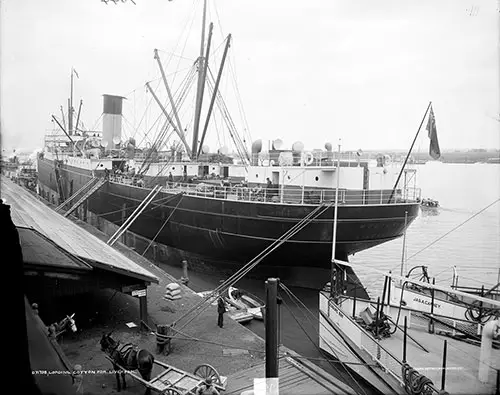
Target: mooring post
{"x": 389, "y": 283}
{"x": 377, "y": 316}
{"x": 272, "y": 328}
{"x": 185, "y": 278}
{"x": 431, "y": 322}
{"x": 404, "y": 339}
{"x": 443, "y": 373}
{"x": 354, "y": 303}
{"x": 383, "y": 295}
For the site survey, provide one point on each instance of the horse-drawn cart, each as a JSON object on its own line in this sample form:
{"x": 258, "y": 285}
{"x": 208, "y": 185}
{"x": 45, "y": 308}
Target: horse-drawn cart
{"x": 173, "y": 381}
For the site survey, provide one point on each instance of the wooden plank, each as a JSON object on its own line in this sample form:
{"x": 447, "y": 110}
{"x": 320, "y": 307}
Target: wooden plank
{"x": 164, "y": 365}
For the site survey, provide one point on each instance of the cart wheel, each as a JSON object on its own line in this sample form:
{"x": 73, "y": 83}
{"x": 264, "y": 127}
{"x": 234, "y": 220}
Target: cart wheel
{"x": 206, "y": 371}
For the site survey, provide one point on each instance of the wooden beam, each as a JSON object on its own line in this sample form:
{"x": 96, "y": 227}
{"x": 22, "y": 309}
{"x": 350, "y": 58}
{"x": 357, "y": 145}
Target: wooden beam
{"x": 64, "y": 276}
{"x": 143, "y": 306}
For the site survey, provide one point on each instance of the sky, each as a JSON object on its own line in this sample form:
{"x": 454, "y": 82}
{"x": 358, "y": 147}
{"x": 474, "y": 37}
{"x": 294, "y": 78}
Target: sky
{"x": 312, "y": 71}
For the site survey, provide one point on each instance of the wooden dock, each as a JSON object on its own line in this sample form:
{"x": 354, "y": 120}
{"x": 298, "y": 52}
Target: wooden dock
{"x": 296, "y": 376}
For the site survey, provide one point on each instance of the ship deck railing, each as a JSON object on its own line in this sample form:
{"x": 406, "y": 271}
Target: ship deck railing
{"x": 320, "y": 159}
{"x": 288, "y": 194}
{"x": 297, "y": 195}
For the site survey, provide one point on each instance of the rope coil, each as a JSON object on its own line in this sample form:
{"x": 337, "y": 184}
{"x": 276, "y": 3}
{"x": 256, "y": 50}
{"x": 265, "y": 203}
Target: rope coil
{"x": 416, "y": 383}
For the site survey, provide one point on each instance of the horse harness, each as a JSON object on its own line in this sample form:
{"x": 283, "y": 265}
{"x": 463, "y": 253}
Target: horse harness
{"x": 127, "y": 353}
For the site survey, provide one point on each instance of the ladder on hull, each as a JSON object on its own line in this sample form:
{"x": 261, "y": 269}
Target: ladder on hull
{"x": 138, "y": 211}
{"x": 87, "y": 194}
{"x": 77, "y": 193}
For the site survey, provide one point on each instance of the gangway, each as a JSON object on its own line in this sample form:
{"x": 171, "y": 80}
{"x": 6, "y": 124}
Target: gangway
{"x": 76, "y": 194}
{"x": 86, "y": 195}
{"x": 138, "y": 211}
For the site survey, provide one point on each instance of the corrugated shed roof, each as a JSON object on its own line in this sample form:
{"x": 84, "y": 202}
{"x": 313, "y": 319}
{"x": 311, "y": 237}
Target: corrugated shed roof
{"x": 27, "y": 211}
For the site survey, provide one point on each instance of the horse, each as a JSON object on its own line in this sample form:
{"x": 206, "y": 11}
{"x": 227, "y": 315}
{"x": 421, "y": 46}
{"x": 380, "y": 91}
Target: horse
{"x": 67, "y": 323}
{"x": 129, "y": 358}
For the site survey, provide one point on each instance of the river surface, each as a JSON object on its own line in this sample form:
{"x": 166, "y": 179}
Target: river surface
{"x": 463, "y": 191}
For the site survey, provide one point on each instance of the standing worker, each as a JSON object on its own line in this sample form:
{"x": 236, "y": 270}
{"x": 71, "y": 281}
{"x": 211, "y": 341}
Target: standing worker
{"x": 221, "y": 309}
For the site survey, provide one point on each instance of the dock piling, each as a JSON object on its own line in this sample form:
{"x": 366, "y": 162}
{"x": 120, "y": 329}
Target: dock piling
{"x": 272, "y": 328}
{"x": 404, "y": 339}
{"x": 185, "y": 277}
{"x": 443, "y": 373}
{"x": 431, "y": 321}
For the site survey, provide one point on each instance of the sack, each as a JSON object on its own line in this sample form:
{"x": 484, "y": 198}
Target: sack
{"x": 174, "y": 292}
{"x": 173, "y": 286}
{"x": 169, "y": 297}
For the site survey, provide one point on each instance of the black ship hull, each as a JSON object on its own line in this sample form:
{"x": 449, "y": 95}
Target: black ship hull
{"x": 235, "y": 231}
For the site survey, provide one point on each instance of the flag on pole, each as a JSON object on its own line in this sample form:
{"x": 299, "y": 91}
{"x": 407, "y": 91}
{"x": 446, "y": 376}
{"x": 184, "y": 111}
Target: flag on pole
{"x": 77, "y": 76}
{"x": 434, "y": 150}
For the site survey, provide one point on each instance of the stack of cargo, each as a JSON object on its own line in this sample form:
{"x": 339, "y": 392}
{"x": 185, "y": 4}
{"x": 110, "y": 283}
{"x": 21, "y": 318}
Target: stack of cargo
{"x": 173, "y": 291}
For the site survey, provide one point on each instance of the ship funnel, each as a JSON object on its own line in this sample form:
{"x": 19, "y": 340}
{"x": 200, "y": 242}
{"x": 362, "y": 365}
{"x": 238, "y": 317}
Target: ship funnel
{"x": 112, "y": 121}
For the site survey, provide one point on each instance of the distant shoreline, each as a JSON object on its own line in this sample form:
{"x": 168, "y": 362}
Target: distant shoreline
{"x": 472, "y": 156}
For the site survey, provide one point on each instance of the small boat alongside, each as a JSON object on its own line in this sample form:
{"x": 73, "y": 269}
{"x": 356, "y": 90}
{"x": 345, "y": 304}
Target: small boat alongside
{"x": 429, "y": 203}
{"x": 245, "y": 301}
{"x": 446, "y": 304}
{"x": 241, "y": 306}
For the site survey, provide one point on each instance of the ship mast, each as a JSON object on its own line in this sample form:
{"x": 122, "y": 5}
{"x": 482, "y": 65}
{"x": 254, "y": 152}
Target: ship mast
{"x": 70, "y": 109}
{"x": 201, "y": 83}
{"x": 335, "y": 273}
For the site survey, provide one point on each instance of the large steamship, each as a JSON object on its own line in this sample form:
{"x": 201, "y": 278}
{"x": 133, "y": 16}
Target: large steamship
{"x": 222, "y": 211}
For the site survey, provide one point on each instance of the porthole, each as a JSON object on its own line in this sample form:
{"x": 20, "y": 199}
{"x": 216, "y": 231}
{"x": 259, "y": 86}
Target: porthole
{"x": 316, "y": 178}
{"x": 256, "y": 176}
{"x": 289, "y": 177}
{"x": 173, "y": 168}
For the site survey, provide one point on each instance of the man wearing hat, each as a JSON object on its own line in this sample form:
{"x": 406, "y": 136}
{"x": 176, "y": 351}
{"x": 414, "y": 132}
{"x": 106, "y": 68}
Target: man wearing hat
{"x": 207, "y": 388}
{"x": 221, "y": 309}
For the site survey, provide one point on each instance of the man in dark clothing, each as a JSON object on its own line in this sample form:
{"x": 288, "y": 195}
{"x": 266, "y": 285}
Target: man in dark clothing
{"x": 270, "y": 192}
{"x": 170, "y": 180}
{"x": 221, "y": 309}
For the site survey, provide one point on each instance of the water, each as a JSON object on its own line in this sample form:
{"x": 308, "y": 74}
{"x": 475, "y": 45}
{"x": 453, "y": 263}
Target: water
{"x": 462, "y": 190}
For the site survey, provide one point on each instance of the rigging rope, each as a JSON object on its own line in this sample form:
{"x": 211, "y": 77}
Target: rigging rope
{"x": 299, "y": 302}
{"x": 240, "y": 147}
{"x": 452, "y": 230}
{"x": 156, "y": 202}
{"x": 159, "y": 140}
{"x": 255, "y": 261}
{"x": 164, "y": 223}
